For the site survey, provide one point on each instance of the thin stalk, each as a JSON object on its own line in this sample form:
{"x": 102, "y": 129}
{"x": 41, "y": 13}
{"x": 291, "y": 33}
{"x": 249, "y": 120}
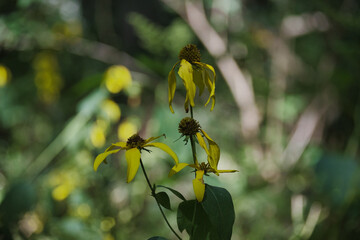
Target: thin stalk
{"x": 193, "y": 148}
{"x": 154, "y": 195}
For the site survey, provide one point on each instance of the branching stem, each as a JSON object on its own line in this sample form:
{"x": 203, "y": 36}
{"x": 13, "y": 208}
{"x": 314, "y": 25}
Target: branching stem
{"x": 153, "y": 193}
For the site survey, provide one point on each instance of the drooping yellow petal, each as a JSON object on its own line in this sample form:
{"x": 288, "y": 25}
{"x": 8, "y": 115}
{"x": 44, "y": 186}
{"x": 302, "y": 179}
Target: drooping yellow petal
{"x": 177, "y": 168}
{"x": 101, "y": 157}
{"x": 199, "y": 186}
{"x": 202, "y": 142}
{"x": 198, "y": 79}
{"x": 186, "y": 104}
{"x": 153, "y": 138}
{"x": 165, "y": 148}
{"x": 133, "y": 161}
{"x": 172, "y": 86}
{"x": 209, "y": 76}
{"x": 214, "y": 151}
{"x": 186, "y": 74}
{"x": 114, "y": 145}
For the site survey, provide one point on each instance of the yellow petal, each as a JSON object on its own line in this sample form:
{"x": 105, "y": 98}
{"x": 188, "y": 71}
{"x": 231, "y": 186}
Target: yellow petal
{"x": 172, "y": 86}
{"x": 186, "y": 104}
{"x": 177, "y": 168}
{"x": 154, "y": 138}
{"x": 198, "y": 79}
{"x": 199, "y": 186}
{"x": 114, "y": 145}
{"x": 202, "y": 142}
{"x": 101, "y": 157}
{"x": 214, "y": 151}
{"x": 133, "y": 160}
{"x": 186, "y": 74}
{"x": 165, "y": 148}
{"x": 209, "y": 76}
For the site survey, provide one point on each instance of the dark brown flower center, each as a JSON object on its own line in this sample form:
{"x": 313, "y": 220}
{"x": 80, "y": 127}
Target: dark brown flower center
{"x": 190, "y": 53}
{"x": 189, "y": 126}
{"x": 135, "y": 141}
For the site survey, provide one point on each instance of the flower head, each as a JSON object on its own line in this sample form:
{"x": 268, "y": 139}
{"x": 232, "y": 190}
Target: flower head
{"x": 191, "y": 127}
{"x": 133, "y": 147}
{"x": 200, "y": 170}
{"x": 193, "y": 73}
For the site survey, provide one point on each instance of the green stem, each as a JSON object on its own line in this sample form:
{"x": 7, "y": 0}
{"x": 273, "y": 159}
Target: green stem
{"x": 154, "y": 195}
{"x": 193, "y": 148}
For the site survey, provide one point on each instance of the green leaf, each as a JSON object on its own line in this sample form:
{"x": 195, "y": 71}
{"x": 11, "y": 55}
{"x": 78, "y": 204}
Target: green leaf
{"x": 219, "y": 207}
{"x": 176, "y": 193}
{"x": 192, "y": 217}
{"x": 163, "y": 199}
{"x": 157, "y": 238}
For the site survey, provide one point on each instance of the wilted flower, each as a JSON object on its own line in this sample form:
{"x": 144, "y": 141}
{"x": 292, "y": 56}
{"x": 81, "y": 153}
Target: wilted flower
{"x": 193, "y": 73}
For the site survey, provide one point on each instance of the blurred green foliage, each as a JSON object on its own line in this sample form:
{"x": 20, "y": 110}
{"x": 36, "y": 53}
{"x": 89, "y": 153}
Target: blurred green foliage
{"x": 57, "y": 113}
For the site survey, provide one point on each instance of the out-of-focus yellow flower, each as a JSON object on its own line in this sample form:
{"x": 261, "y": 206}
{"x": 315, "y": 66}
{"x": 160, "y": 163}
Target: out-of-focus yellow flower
{"x": 97, "y": 134}
{"x": 47, "y": 77}
{"x": 108, "y": 236}
{"x": 111, "y": 109}
{"x": 133, "y": 147}
{"x": 61, "y": 192}
{"x": 64, "y": 182}
{"x": 5, "y": 75}
{"x": 83, "y": 210}
{"x": 126, "y": 129}
{"x": 193, "y": 73}
{"x": 116, "y": 78}
{"x": 107, "y": 223}
{"x": 201, "y": 170}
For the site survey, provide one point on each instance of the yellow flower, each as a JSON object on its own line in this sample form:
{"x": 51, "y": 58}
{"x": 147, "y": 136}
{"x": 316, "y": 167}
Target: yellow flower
{"x": 193, "y": 73}
{"x": 191, "y": 127}
{"x": 201, "y": 170}
{"x": 133, "y": 146}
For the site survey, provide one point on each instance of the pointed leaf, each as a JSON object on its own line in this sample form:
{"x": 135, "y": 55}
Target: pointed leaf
{"x": 192, "y": 217}
{"x": 176, "y": 193}
{"x": 219, "y": 207}
{"x": 163, "y": 199}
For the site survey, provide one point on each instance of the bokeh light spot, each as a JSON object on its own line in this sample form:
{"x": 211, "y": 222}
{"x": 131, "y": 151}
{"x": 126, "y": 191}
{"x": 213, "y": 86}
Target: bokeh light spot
{"x": 4, "y": 75}
{"x": 97, "y": 134}
{"x": 61, "y": 192}
{"x": 117, "y": 78}
{"x": 83, "y": 210}
{"x": 111, "y": 109}
{"x": 126, "y": 129}
{"x": 107, "y": 223}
